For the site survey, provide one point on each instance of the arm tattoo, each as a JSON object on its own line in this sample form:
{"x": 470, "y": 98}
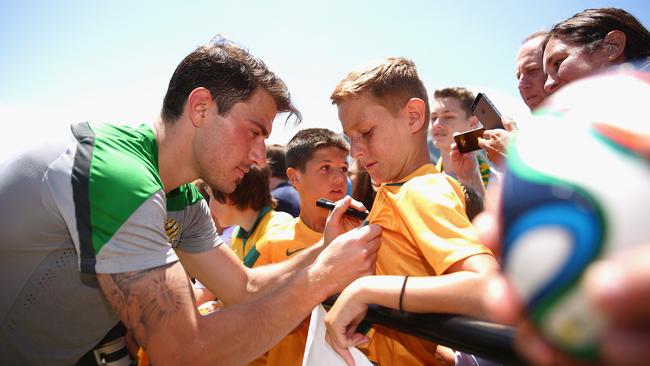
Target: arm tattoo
{"x": 146, "y": 300}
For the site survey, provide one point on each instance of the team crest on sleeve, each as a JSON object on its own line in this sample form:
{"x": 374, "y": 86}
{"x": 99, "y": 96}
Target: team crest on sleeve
{"x": 172, "y": 230}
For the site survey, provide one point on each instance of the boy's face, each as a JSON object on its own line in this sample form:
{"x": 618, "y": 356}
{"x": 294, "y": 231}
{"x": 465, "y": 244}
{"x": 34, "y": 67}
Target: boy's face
{"x": 380, "y": 141}
{"x": 447, "y": 117}
{"x": 325, "y": 176}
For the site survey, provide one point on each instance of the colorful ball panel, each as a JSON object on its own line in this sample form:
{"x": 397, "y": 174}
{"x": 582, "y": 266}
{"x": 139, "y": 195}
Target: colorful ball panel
{"x": 576, "y": 189}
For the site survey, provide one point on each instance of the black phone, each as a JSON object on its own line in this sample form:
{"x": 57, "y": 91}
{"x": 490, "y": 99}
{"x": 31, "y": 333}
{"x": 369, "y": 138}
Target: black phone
{"x": 486, "y": 112}
{"x": 468, "y": 141}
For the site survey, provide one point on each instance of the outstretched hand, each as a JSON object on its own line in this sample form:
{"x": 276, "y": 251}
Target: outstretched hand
{"x": 342, "y": 321}
{"x": 463, "y": 164}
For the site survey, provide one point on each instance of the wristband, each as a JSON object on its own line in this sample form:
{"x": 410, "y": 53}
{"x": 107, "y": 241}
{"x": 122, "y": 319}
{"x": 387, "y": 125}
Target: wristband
{"x": 401, "y": 294}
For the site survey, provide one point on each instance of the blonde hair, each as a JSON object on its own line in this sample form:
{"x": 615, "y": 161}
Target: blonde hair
{"x": 393, "y": 83}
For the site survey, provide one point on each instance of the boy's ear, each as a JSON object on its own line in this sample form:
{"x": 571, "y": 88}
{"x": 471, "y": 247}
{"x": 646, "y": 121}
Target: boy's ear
{"x": 416, "y": 114}
{"x": 294, "y": 177}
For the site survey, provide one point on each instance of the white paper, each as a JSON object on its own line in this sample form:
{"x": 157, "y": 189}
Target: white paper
{"x": 318, "y": 352}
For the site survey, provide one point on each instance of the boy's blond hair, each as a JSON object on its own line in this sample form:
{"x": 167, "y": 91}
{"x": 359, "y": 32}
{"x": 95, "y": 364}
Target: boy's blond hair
{"x": 392, "y": 82}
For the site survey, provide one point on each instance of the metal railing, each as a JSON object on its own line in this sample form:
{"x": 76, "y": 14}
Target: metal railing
{"x": 487, "y": 340}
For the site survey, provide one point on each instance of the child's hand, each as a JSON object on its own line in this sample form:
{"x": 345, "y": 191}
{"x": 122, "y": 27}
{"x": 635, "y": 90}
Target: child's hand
{"x": 342, "y": 321}
{"x": 463, "y": 165}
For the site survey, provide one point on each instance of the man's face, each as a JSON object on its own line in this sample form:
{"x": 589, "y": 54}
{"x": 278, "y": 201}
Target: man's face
{"x": 325, "y": 175}
{"x": 530, "y": 72}
{"x": 378, "y": 137}
{"x": 567, "y": 61}
{"x": 225, "y": 147}
{"x": 447, "y": 117}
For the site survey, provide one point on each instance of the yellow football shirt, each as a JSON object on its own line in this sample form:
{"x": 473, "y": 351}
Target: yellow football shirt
{"x": 424, "y": 232}
{"x": 242, "y": 240}
{"x": 280, "y": 244}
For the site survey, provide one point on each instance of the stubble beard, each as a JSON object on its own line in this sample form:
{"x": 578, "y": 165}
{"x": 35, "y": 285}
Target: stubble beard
{"x": 220, "y": 184}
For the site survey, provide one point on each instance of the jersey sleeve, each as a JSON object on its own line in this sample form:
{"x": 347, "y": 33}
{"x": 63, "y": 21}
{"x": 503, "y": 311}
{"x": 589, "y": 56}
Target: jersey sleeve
{"x": 140, "y": 242}
{"x": 434, "y": 216}
{"x": 198, "y": 233}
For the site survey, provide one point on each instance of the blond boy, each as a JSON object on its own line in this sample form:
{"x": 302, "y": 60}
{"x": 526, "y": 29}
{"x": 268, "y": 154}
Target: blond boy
{"x": 425, "y": 232}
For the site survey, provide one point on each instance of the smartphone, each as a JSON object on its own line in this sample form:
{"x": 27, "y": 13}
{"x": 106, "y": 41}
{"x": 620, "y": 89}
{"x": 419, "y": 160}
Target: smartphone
{"x": 486, "y": 113}
{"x": 468, "y": 141}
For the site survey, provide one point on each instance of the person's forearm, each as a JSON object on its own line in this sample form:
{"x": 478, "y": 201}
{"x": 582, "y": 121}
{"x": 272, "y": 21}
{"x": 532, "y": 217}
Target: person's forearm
{"x": 221, "y": 272}
{"x": 240, "y": 326}
{"x": 457, "y": 293}
{"x": 157, "y": 307}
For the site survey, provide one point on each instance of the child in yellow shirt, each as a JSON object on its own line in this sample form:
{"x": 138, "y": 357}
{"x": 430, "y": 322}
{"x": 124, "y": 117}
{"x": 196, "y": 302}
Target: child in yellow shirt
{"x": 317, "y": 167}
{"x": 426, "y": 234}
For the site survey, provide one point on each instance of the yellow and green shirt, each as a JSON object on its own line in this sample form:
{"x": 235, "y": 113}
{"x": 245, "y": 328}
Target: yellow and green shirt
{"x": 242, "y": 240}
{"x": 483, "y": 167}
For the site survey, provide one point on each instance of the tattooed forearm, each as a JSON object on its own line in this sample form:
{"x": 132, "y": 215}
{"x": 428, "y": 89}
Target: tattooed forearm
{"x": 146, "y": 300}
{"x": 163, "y": 299}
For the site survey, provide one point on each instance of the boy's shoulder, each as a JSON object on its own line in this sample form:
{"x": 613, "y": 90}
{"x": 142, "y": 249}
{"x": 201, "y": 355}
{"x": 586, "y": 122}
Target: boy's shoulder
{"x": 278, "y": 218}
{"x": 282, "y": 230}
{"x": 426, "y": 183}
{"x": 272, "y": 220}
{"x": 283, "y": 241}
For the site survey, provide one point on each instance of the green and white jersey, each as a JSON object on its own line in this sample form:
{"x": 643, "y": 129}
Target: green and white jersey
{"x": 89, "y": 202}
{"x": 120, "y": 210}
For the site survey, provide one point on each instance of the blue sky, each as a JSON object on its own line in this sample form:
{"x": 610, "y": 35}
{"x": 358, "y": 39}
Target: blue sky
{"x": 66, "y": 61}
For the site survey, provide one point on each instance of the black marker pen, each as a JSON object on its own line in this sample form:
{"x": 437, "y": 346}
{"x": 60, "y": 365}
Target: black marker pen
{"x": 325, "y": 203}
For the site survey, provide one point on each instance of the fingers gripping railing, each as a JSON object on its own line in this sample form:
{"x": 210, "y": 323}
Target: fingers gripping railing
{"x": 487, "y": 340}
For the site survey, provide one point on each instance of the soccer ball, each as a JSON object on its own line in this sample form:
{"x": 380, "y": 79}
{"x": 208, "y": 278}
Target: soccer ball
{"x": 576, "y": 189}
